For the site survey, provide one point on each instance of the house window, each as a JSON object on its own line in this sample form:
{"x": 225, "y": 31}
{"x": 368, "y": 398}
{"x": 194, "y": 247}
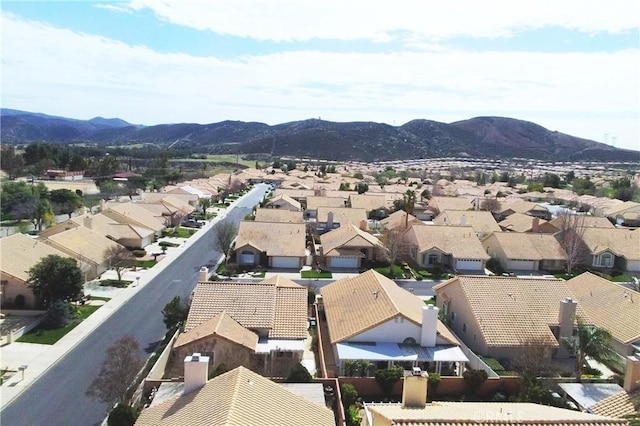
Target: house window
{"x": 453, "y": 316}
{"x": 410, "y": 341}
{"x": 464, "y": 327}
{"x": 606, "y": 260}
{"x": 433, "y": 259}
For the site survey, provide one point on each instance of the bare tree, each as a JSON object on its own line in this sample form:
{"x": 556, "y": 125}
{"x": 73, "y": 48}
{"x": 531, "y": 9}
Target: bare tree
{"x": 490, "y": 204}
{"x": 225, "y": 234}
{"x": 570, "y": 236}
{"x": 178, "y": 216}
{"x": 393, "y": 242}
{"x": 117, "y": 373}
{"x": 533, "y": 357}
{"x": 119, "y": 259}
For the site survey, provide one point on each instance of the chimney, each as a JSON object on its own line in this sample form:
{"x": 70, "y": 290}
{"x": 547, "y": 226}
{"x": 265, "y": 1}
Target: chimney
{"x": 329, "y": 220}
{"x": 463, "y": 220}
{"x": 632, "y": 373}
{"x": 566, "y": 316}
{"x": 87, "y": 221}
{"x": 414, "y": 389}
{"x": 429, "y": 324}
{"x": 203, "y": 274}
{"x": 364, "y": 225}
{"x": 196, "y": 372}
{"x": 535, "y": 225}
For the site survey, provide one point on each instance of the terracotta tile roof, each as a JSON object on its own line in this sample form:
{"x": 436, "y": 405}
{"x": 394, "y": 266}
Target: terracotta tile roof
{"x": 313, "y": 202}
{"x": 83, "y": 244}
{"x": 356, "y": 304}
{"x": 342, "y": 215}
{"x": 482, "y": 222}
{"x": 512, "y": 311}
{"x": 459, "y": 241}
{"x": 368, "y": 202}
{"x": 19, "y": 252}
{"x": 618, "y": 405}
{"x": 274, "y": 305}
{"x": 347, "y": 236}
{"x": 587, "y": 222}
{"x": 239, "y": 397}
{"x": 608, "y": 305}
{"x": 528, "y": 246}
{"x": 520, "y": 222}
{"x": 622, "y": 242}
{"x": 275, "y": 239}
{"x": 278, "y": 215}
{"x": 222, "y": 325}
{"x": 444, "y": 413}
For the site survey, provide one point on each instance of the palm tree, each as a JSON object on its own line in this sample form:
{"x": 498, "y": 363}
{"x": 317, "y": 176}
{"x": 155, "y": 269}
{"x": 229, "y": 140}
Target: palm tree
{"x": 592, "y": 342}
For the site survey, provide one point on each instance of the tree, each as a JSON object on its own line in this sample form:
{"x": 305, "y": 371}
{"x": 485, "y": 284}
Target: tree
{"x": 490, "y": 205}
{"x": 570, "y": 232}
{"x": 392, "y": 241}
{"x": 592, "y": 342}
{"x": 56, "y": 278}
{"x": 120, "y": 367}
{"x": 174, "y": 313}
{"x": 362, "y": 187}
{"x": 474, "y": 379}
{"x": 65, "y": 201}
{"x": 533, "y": 357}
{"x": 387, "y": 379}
{"x": 122, "y": 415}
{"x": 425, "y": 195}
{"x": 59, "y": 315}
{"x": 225, "y": 234}
{"x": 299, "y": 374}
{"x": 552, "y": 180}
{"x": 120, "y": 258}
{"x": 10, "y": 162}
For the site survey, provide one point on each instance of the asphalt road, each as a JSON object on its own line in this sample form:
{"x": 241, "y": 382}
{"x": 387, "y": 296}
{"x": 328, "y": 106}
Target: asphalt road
{"x": 58, "y": 396}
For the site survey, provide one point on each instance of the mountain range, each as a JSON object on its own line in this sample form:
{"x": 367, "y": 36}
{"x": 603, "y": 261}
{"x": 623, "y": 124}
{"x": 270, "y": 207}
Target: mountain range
{"x": 479, "y": 137}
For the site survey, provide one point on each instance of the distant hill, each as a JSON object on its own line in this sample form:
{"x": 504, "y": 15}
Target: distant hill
{"x": 480, "y": 137}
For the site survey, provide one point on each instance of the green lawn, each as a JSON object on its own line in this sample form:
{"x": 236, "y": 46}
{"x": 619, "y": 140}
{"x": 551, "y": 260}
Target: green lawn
{"x": 386, "y": 271}
{"x": 105, "y": 299}
{"x": 49, "y": 337}
{"x": 182, "y": 232}
{"x": 145, "y": 263}
{"x": 316, "y": 274}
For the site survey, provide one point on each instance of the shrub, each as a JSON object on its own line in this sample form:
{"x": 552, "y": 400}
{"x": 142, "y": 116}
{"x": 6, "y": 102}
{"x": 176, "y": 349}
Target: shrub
{"x": 139, "y": 252}
{"x": 349, "y": 395}
{"x": 299, "y": 374}
{"x": 474, "y": 379}
{"x": 311, "y": 296}
{"x": 168, "y": 244}
{"x": 20, "y": 301}
{"x": 122, "y": 415}
{"x": 388, "y": 378}
{"x": 494, "y": 266}
{"x": 59, "y": 315}
{"x": 433, "y": 381}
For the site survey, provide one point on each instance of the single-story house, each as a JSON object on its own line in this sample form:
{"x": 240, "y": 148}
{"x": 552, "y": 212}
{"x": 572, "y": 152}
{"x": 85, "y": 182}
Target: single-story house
{"x": 273, "y": 244}
{"x": 368, "y": 202}
{"x": 329, "y": 218}
{"x": 455, "y": 246}
{"x": 18, "y": 254}
{"x": 399, "y": 220}
{"x": 438, "y": 204}
{"x": 278, "y": 215}
{"x": 370, "y": 318}
{"x": 284, "y": 202}
{"x": 518, "y": 205}
{"x": 561, "y": 222}
{"x": 520, "y": 222}
{"x": 132, "y": 214}
{"x": 613, "y": 248}
{"x": 314, "y": 201}
{"x": 627, "y": 213}
{"x": 482, "y": 222}
{"x": 128, "y": 235}
{"x": 526, "y": 252}
{"x": 261, "y": 326}
{"x": 345, "y": 247}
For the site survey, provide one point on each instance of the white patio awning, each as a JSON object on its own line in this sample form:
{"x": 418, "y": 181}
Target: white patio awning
{"x": 388, "y": 351}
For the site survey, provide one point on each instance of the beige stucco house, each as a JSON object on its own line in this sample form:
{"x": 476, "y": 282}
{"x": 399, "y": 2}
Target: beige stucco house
{"x": 272, "y": 244}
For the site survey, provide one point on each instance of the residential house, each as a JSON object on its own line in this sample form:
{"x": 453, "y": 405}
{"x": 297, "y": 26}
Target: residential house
{"x": 501, "y": 316}
{"x": 623, "y": 403}
{"x": 613, "y": 248}
{"x": 185, "y": 198}
{"x": 438, "y": 204}
{"x": 370, "y": 318}
{"x": 627, "y": 213}
{"x": 347, "y": 246}
{"x": 370, "y": 203}
{"x": 284, "y": 202}
{"x": 518, "y": 205}
{"x": 414, "y": 410}
{"x": 520, "y": 222}
{"x": 171, "y": 208}
{"x": 611, "y": 306}
{"x": 273, "y": 244}
{"x": 482, "y": 222}
{"x": 582, "y": 221}
{"x": 526, "y": 252}
{"x": 399, "y": 220}
{"x": 261, "y": 326}
{"x": 299, "y": 195}
{"x": 128, "y": 235}
{"x": 278, "y": 215}
{"x": 329, "y": 218}
{"x": 18, "y": 254}
{"x": 237, "y": 397}
{"x": 91, "y": 249}
{"x": 313, "y": 202}
{"x": 132, "y": 214}
{"x": 457, "y": 247}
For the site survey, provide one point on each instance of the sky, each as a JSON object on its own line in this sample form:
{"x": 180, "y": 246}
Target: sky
{"x": 572, "y": 66}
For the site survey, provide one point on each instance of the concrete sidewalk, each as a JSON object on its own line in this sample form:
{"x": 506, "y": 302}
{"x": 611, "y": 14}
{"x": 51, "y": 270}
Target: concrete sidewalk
{"x": 40, "y": 358}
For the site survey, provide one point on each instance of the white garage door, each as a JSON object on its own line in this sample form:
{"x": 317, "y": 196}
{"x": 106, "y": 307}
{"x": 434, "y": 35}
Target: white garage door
{"x": 521, "y": 265}
{"x": 344, "y": 262}
{"x": 468, "y": 265}
{"x": 285, "y": 262}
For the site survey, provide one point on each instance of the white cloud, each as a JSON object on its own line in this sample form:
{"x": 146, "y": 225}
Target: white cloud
{"x": 60, "y": 72}
{"x": 287, "y": 20}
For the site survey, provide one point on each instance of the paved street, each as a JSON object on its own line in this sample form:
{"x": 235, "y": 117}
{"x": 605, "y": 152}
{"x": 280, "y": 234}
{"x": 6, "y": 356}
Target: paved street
{"x": 57, "y": 396}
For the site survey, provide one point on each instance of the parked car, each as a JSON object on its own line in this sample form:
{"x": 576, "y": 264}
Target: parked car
{"x": 192, "y": 223}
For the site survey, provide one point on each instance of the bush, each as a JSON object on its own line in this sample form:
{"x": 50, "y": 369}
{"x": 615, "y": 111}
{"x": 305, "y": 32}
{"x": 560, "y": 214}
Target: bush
{"x": 20, "y": 301}
{"x": 494, "y": 266}
{"x": 433, "y": 381}
{"x": 167, "y": 244}
{"x": 349, "y": 395}
{"x": 59, "y": 315}
{"x": 122, "y": 415}
{"x": 474, "y": 379}
{"x": 139, "y": 252}
{"x": 388, "y": 378}
{"x": 299, "y": 374}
